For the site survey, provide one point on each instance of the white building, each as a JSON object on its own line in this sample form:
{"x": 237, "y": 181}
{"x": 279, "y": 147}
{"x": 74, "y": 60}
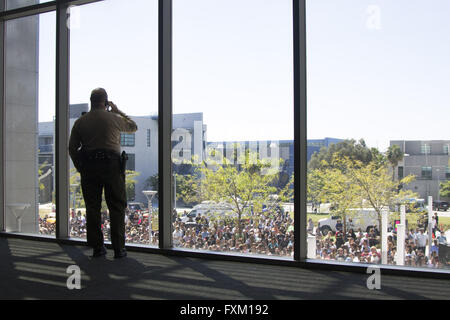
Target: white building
{"x": 188, "y": 139}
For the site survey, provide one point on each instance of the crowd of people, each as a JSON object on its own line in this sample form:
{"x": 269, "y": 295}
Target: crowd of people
{"x": 364, "y": 247}
{"x": 268, "y": 235}
{"x": 46, "y": 227}
{"x": 272, "y": 234}
{"x": 265, "y": 236}
{"x": 136, "y": 227}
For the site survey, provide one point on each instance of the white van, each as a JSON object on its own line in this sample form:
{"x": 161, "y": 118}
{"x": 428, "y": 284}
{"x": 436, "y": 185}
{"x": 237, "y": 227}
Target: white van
{"x": 207, "y": 208}
{"x": 363, "y": 219}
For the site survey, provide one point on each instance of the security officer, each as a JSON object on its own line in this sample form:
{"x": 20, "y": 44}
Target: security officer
{"x": 94, "y": 147}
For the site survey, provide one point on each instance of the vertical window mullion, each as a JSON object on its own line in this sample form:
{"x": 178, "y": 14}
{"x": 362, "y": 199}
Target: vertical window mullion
{"x": 300, "y": 149}
{"x": 62, "y": 121}
{"x": 165, "y": 122}
{"x": 2, "y": 119}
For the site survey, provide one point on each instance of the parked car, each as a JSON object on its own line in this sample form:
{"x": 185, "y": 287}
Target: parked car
{"x": 136, "y": 206}
{"x": 440, "y": 205}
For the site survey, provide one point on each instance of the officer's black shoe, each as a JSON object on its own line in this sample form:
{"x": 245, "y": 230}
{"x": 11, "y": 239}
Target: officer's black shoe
{"x": 99, "y": 252}
{"x": 120, "y": 254}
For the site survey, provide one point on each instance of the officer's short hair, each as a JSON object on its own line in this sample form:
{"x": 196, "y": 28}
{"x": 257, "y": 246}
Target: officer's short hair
{"x": 98, "y": 96}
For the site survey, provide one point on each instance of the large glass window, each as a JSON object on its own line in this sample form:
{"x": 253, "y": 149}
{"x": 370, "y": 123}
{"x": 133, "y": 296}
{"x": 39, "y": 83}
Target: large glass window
{"x": 233, "y": 126}
{"x": 29, "y": 127}
{"x": 425, "y": 149}
{"x": 115, "y": 48}
{"x": 127, "y": 139}
{"x": 369, "y": 77}
{"x": 149, "y": 140}
{"x": 232, "y": 139}
{"x": 426, "y": 173}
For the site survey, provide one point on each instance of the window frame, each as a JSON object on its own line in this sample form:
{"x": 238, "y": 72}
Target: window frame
{"x": 164, "y": 139}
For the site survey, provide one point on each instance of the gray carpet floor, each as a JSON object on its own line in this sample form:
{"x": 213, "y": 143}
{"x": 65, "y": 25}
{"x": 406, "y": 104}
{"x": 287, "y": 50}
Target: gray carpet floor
{"x": 38, "y": 270}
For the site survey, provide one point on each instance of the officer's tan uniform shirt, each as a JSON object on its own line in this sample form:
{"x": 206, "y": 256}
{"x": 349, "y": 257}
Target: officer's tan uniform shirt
{"x": 99, "y": 129}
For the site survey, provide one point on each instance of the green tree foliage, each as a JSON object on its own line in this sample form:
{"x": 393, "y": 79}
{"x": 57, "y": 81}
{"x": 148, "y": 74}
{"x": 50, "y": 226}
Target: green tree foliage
{"x": 248, "y": 186}
{"x": 445, "y": 189}
{"x": 315, "y": 187}
{"x": 187, "y": 185}
{"x": 130, "y": 183}
{"x": 189, "y": 189}
{"x": 394, "y": 155}
{"x": 351, "y": 149}
{"x": 348, "y": 183}
{"x": 339, "y": 190}
{"x": 75, "y": 189}
{"x": 375, "y": 186}
{"x": 152, "y": 183}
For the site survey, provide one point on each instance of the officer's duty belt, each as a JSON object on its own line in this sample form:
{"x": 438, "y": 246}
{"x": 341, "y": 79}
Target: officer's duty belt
{"x": 102, "y": 155}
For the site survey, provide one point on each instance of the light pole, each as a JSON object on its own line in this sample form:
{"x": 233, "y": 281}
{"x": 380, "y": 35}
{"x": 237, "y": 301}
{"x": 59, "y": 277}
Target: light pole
{"x": 74, "y": 194}
{"x": 175, "y": 190}
{"x": 149, "y": 194}
{"x": 439, "y": 185}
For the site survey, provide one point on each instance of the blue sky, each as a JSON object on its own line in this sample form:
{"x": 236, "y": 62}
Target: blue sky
{"x": 233, "y": 62}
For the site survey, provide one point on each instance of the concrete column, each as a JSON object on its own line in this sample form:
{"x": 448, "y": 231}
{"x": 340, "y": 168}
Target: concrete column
{"x": 400, "y": 244}
{"x": 401, "y": 237}
{"x": 430, "y": 229}
{"x": 198, "y": 140}
{"x": 403, "y": 215}
{"x": 384, "y": 230}
{"x": 21, "y": 130}
{"x": 311, "y": 247}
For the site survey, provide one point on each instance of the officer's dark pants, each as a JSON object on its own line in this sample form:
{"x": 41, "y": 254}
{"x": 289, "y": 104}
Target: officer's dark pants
{"x": 96, "y": 176}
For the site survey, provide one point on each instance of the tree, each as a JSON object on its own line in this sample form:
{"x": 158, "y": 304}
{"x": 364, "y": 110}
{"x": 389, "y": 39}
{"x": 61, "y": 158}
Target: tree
{"x": 340, "y": 190}
{"x": 445, "y": 189}
{"x": 248, "y": 186}
{"x": 394, "y": 155}
{"x": 130, "y": 183}
{"x": 42, "y": 175}
{"x": 350, "y": 149}
{"x": 376, "y": 186}
{"x": 286, "y": 194}
{"x": 75, "y": 189}
{"x": 187, "y": 187}
{"x": 316, "y": 180}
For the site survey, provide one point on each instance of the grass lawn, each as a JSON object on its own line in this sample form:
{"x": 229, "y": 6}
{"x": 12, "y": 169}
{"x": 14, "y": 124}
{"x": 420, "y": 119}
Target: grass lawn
{"x": 444, "y": 221}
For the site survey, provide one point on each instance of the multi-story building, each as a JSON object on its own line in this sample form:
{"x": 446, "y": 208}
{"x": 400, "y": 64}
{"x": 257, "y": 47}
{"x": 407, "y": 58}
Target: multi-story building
{"x": 188, "y": 138}
{"x": 428, "y": 160}
{"x": 314, "y": 145}
{"x": 277, "y": 149}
